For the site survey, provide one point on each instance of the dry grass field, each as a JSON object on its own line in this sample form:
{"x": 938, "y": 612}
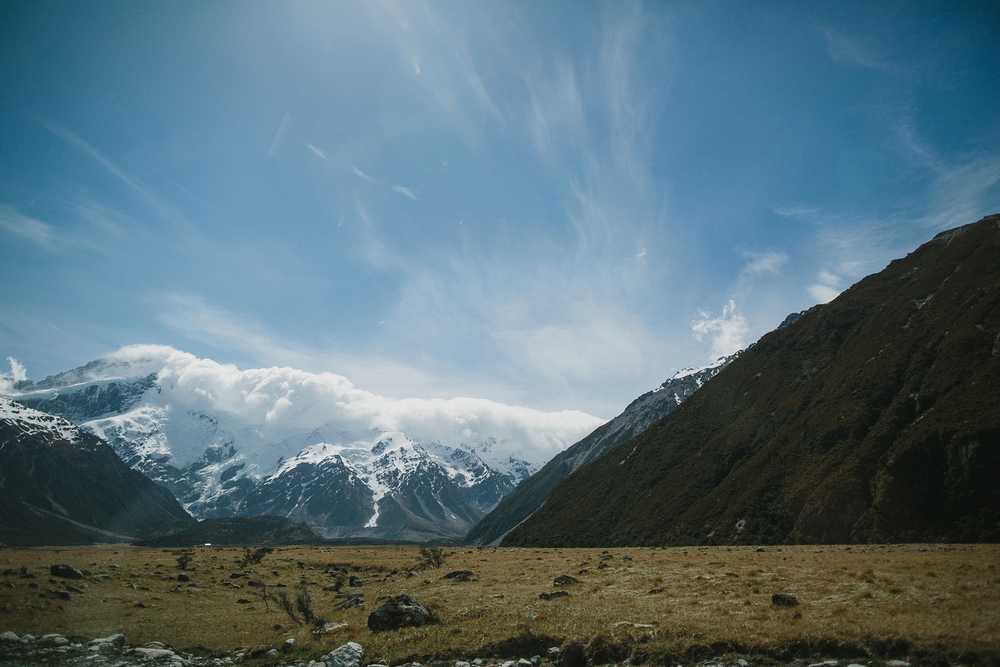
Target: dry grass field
{"x": 920, "y": 602}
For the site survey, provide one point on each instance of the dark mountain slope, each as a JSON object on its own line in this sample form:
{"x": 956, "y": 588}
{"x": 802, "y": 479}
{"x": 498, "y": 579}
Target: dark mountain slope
{"x": 62, "y": 485}
{"x": 636, "y": 418}
{"x": 873, "y": 418}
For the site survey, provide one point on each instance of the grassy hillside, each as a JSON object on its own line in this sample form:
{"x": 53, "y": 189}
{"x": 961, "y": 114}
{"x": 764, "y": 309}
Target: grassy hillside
{"x": 874, "y": 418}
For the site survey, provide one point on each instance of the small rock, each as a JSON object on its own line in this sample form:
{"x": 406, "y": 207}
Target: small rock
{"x": 183, "y": 577}
{"x": 348, "y": 655}
{"x": 854, "y": 664}
{"x": 761, "y": 550}
{"x": 825, "y": 663}
{"x": 459, "y": 573}
{"x": 74, "y": 589}
{"x": 565, "y": 580}
{"x": 461, "y": 663}
{"x": 9, "y": 637}
{"x": 784, "y": 600}
{"x": 289, "y": 644}
{"x": 273, "y": 653}
{"x": 66, "y": 571}
{"x": 536, "y": 660}
{"x": 742, "y": 663}
{"x": 243, "y": 601}
{"x": 54, "y": 640}
{"x": 352, "y": 601}
{"x": 27, "y": 639}
{"x": 110, "y": 640}
{"x": 355, "y": 581}
{"x": 553, "y": 595}
{"x": 509, "y": 663}
{"x": 330, "y": 628}
{"x": 478, "y": 662}
{"x": 523, "y": 663}
{"x": 553, "y": 653}
{"x": 897, "y": 663}
{"x": 153, "y": 653}
{"x": 62, "y": 595}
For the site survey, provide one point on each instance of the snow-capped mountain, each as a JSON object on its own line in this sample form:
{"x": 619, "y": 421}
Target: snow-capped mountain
{"x": 60, "y": 484}
{"x": 309, "y": 446}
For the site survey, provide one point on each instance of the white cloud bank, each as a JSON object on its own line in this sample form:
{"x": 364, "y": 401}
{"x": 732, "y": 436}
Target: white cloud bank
{"x": 277, "y": 401}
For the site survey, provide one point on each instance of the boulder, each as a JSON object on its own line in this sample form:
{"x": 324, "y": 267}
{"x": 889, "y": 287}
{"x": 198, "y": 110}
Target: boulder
{"x": 66, "y": 571}
{"x": 565, "y": 580}
{"x": 467, "y": 574}
{"x": 348, "y": 655}
{"x": 400, "y": 611}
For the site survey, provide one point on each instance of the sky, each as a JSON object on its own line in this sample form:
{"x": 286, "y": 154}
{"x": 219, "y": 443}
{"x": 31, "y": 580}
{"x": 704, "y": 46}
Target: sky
{"x": 554, "y": 205}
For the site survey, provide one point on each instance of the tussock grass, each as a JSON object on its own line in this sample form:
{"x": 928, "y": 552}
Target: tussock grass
{"x": 891, "y": 601}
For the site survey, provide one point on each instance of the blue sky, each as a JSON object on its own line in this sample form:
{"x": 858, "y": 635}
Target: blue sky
{"x": 552, "y": 204}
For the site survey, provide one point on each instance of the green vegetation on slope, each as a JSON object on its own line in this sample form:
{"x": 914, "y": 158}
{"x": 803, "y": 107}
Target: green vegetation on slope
{"x": 875, "y": 418}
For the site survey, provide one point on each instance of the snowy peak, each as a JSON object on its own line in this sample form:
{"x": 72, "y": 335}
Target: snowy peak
{"x": 35, "y": 423}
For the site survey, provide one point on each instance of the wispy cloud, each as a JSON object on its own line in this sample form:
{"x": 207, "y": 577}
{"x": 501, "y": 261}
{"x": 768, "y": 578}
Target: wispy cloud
{"x": 113, "y": 168}
{"x": 279, "y": 135}
{"x": 769, "y": 261}
{"x": 406, "y": 192}
{"x": 727, "y": 333}
{"x": 25, "y": 227}
{"x": 362, "y": 174}
{"x": 17, "y": 374}
{"x": 318, "y": 151}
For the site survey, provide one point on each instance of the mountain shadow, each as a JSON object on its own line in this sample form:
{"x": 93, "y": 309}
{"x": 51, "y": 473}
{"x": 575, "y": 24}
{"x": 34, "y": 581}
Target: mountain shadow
{"x": 62, "y": 485}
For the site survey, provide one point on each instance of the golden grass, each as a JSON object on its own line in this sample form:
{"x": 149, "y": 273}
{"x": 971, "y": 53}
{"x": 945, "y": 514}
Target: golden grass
{"x": 931, "y": 598}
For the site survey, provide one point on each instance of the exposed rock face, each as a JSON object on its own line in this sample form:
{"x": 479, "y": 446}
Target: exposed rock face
{"x": 62, "y": 485}
{"x": 637, "y": 417}
{"x": 874, "y": 418}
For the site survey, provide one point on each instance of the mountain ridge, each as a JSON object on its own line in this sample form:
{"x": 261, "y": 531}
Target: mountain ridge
{"x": 219, "y": 439}
{"x": 874, "y": 418}
{"x": 634, "y": 419}
{"x": 60, "y": 484}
